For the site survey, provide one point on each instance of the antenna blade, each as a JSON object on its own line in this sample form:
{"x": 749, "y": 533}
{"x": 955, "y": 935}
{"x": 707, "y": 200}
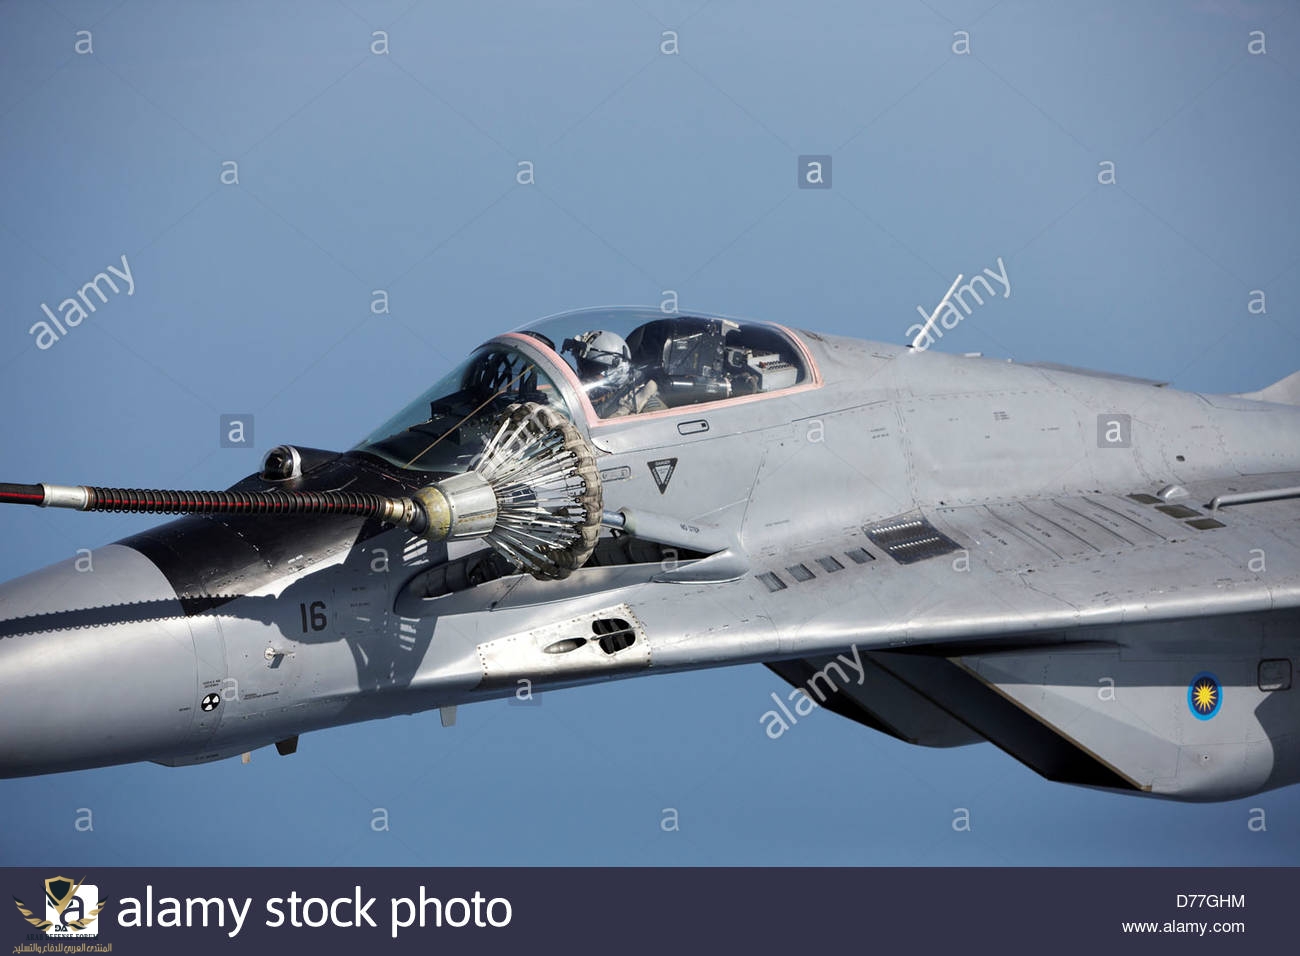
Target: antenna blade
{"x": 935, "y": 314}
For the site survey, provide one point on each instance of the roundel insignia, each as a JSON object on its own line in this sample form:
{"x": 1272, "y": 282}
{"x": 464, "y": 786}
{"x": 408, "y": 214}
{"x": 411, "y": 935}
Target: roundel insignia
{"x": 210, "y": 702}
{"x": 1204, "y": 696}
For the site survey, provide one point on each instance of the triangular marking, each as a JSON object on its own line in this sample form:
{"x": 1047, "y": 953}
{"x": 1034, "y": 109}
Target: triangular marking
{"x": 662, "y": 471}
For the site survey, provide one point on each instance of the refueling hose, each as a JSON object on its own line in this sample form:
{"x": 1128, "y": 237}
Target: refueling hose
{"x": 534, "y": 495}
{"x": 400, "y": 511}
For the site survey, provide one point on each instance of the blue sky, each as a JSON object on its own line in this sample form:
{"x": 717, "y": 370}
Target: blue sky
{"x": 360, "y": 170}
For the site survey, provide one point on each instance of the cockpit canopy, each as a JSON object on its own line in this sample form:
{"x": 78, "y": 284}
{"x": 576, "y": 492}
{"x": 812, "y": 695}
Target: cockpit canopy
{"x": 630, "y": 362}
{"x": 601, "y": 363}
{"x": 446, "y": 427}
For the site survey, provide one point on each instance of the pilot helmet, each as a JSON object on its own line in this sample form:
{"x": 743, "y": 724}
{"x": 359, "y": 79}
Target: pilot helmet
{"x": 600, "y": 354}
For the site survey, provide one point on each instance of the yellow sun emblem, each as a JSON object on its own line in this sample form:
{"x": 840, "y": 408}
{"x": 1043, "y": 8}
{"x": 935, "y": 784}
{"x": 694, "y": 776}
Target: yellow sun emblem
{"x": 1204, "y": 696}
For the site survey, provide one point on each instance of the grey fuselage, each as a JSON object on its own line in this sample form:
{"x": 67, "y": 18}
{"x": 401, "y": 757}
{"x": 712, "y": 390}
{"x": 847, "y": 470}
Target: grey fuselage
{"x": 208, "y": 637}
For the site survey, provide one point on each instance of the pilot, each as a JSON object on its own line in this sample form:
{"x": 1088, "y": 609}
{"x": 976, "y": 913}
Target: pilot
{"x": 613, "y": 385}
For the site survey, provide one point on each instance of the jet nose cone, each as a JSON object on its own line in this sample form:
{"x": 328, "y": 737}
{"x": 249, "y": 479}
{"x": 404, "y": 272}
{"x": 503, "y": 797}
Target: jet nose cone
{"x": 97, "y": 665}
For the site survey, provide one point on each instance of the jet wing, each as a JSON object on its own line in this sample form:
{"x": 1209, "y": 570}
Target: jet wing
{"x": 1041, "y": 566}
{"x": 1134, "y": 641}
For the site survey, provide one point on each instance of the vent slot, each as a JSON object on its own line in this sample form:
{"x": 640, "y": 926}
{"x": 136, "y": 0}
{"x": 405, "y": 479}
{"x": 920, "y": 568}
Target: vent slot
{"x": 1205, "y": 524}
{"x": 1145, "y": 499}
{"x": 771, "y": 581}
{"x": 1178, "y": 511}
{"x": 800, "y": 572}
{"x": 830, "y": 564}
{"x": 859, "y": 555}
{"x": 613, "y": 634}
{"x": 909, "y": 540}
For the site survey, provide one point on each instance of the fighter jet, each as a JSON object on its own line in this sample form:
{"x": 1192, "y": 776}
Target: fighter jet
{"x": 1098, "y": 574}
